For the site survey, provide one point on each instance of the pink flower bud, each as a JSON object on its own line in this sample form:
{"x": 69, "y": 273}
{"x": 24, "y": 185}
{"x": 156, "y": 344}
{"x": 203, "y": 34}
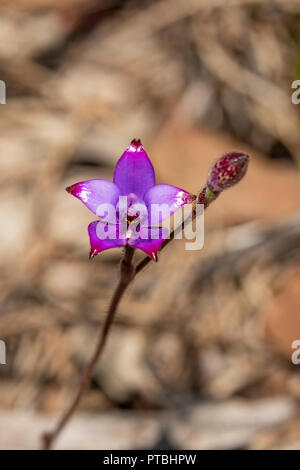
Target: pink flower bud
{"x": 227, "y": 171}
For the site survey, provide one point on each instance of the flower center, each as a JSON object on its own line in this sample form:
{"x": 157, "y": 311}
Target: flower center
{"x": 132, "y": 216}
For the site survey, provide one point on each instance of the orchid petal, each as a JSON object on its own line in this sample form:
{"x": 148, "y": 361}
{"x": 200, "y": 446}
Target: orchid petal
{"x": 149, "y": 240}
{"x": 163, "y": 200}
{"x": 100, "y": 196}
{"x": 98, "y": 242}
{"x": 134, "y": 172}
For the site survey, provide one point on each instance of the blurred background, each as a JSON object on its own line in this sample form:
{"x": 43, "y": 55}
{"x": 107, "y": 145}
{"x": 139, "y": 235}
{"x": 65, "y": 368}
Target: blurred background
{"x": 199, "y": 356}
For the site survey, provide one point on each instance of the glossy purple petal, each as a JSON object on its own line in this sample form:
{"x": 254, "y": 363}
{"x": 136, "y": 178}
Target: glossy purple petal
{"x": 96, "y": 195}
{"x": 97, "y": 241}
{"x": 169, "y": 198}
{"x": 134, "y": 173}
{"x": 149, "y": 241}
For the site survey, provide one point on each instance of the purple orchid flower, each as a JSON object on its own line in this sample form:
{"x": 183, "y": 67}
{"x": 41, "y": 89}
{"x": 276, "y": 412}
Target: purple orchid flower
{"x": 130, "y": 224}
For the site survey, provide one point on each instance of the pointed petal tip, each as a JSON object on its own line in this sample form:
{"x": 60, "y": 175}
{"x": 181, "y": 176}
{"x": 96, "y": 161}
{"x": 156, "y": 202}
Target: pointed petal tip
{"x": 74, "y": 189}
{"x": 134, "y": 172}
{"x": 136, "y": 145}
{"x": 93, "y": 254}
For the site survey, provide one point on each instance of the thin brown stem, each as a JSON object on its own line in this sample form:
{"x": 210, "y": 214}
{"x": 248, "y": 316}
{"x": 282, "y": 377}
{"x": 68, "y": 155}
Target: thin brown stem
{"x": 127, "y": 274}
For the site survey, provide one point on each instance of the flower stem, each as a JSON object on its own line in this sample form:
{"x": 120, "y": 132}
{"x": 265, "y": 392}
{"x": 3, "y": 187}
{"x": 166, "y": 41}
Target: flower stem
{"x": 127, "y": 272}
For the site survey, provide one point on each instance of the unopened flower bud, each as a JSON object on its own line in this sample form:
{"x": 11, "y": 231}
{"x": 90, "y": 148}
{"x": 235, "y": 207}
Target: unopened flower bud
{"x": 227, "y": 171}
